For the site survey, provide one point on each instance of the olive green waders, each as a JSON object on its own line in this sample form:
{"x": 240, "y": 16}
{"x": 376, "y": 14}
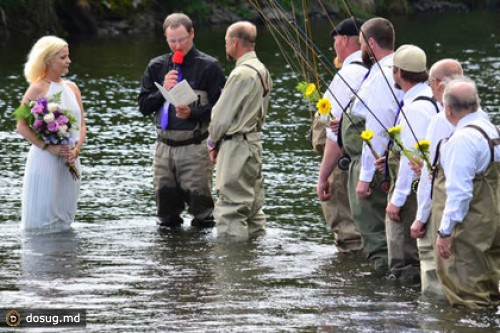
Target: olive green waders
{"x": 402, "y": 249}
{"x": 368, "y": 214}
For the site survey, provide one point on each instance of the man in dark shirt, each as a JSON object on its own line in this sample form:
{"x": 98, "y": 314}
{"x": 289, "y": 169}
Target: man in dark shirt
{"x": 182, "y": 169}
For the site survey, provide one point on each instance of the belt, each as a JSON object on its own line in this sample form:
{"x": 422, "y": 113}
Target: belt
{"x": 252, "y": 136}
{"x": 197, "y": 139}
{"x": 230, "y": 137}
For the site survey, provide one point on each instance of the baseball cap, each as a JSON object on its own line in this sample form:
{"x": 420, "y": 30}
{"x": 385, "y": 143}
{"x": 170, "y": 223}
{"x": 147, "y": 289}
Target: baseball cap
{"x": 410, "y": 58}
{"x": 348, "y": 27}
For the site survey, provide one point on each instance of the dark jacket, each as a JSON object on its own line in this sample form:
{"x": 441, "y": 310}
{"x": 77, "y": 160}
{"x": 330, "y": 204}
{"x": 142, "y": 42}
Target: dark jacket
{"x": 200, "y": 70}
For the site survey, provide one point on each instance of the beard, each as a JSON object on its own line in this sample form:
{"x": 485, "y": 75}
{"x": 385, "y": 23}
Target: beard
{"x": 397, "y": 86}
{"x": 366, "y": 59}
{"x": 229, "y": 57}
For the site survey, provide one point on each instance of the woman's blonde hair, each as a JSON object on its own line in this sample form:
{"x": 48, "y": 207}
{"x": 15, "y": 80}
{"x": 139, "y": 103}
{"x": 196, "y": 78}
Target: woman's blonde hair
{"x": 44, "y": 49}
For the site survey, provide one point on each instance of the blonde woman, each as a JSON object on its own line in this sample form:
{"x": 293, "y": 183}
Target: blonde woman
{"x": 50, "y": 193}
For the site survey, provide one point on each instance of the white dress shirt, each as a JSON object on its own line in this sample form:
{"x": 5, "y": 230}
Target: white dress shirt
{"x": 353, "y": 74}
{"x": 465, "y": 155}
{"x": 414, "y": 116}
{"x": 377, "y": 92}
{"x": 439, "y": 128}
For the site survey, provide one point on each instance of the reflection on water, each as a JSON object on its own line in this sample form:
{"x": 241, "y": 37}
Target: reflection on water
{"x": 129, "y": 275}
{"x": 49, "y": 256}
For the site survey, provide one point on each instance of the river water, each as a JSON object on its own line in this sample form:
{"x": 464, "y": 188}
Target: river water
{"x": 131, "y": 276}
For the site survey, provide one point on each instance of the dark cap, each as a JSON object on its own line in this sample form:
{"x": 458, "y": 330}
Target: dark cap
{"x": 348, "y": 27}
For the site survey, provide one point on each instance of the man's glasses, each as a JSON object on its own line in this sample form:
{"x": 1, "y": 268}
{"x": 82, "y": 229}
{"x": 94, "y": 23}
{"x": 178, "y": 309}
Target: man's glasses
{"x": 178, "y": 40}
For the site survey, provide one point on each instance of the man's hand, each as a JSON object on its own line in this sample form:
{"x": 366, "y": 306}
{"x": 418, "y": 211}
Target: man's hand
{"x": 323, "y": 190}
{"x": 416, "y": 164}
{"x": 170, "y": 80}
{"x": 213, "y": 155}
{"x": 183, "y": 112}
{"x": 380, "y": 164}
{"x": 334, "y": 125}
{"x": 363, "y": 190}
{"x": 393, "y": 212}
{"x": 417, "y": 229}
{"x": 443, "y": 247}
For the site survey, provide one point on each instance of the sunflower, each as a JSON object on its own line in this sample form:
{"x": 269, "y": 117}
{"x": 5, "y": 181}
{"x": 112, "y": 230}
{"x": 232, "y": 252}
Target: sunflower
{"x": 311, "y": 88}
{"x": 395, "y": 130}
{"x": 324, "y": 106}
{"x": 423, "y": 144}
{"x": 367, "y": 135}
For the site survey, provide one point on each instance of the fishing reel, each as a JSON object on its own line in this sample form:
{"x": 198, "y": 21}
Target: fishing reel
{"x": 414, "y": 185}
{"x": 344, "y": 162}
{"x": 385, "y": 185}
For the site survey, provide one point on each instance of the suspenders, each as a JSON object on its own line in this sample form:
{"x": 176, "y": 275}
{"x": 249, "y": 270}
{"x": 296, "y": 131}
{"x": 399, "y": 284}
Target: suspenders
{"x": 491, "y": 143}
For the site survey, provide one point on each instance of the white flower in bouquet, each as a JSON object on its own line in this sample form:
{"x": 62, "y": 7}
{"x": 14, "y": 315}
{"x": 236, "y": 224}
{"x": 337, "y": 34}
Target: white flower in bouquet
{"x": 52, "y": 107}
{"x": 63, "y": 131}
{"x": 49, "y": 117}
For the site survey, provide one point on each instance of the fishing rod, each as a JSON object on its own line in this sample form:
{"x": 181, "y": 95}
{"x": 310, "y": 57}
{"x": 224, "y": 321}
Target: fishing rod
{"x": 301, "y": 56}
{"x": 320, "y": 55}
{"x": 372, "y": 54}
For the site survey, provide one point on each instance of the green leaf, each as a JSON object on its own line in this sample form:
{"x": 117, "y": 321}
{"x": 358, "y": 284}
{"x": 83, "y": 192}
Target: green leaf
{"x": 24, "y": 112}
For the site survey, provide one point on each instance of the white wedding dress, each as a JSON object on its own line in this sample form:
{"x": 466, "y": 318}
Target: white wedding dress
{"x": 50, "y": 193}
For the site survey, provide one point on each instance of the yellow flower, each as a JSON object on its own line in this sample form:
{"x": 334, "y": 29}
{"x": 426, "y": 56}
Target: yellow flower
{"x": 423, "y": 144}
{"x": 324, "y": 106}
{"x": 311, "y": 88}
{"x": 395, "y": 130}
{"x": 367, "y": 135}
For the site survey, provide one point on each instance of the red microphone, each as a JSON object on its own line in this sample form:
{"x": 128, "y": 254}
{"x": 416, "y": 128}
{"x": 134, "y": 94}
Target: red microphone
{"x": 177, "y": 60}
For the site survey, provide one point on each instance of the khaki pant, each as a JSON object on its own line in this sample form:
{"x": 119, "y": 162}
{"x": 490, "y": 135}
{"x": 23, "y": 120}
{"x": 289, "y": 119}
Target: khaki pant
{"x": 240, "y": 187}
{"x": 337, "y": 212}
{"x": 183, "y": 175}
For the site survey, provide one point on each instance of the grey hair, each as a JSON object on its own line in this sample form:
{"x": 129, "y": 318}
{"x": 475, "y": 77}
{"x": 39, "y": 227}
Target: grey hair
{"x": 460, "y": 94}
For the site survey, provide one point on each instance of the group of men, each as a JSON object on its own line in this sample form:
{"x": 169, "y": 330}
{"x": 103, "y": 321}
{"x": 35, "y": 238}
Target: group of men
{"x": 223, "y": 126}
{"x": 438, "y": 223}
{"x": 443, "y": 233}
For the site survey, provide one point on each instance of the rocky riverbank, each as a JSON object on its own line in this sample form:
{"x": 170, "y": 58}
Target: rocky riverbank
{"x": 141, "y": 16}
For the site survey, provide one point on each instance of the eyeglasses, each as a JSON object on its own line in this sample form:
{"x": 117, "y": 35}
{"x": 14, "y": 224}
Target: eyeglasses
{"x": 178, "y": 40}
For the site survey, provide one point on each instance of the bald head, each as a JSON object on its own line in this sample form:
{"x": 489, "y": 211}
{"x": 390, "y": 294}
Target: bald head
{"x": 441, "y": 71}
{"x": 445, "y": 68}
{"x": 245, "y": 31}
{"x": 460, "y": 95}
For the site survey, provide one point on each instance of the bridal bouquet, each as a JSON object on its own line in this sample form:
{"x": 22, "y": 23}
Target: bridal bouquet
{"x": 51, "y": 124}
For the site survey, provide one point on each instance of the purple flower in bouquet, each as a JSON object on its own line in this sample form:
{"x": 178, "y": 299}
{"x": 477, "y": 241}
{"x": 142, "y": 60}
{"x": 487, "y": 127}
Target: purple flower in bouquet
{"x": 61, "y": 120}
{"x": 38, "y": 125}
{"x": 53, "y": 126}
{"x": 58, "y": 113}
{"x": 38, "y": 108}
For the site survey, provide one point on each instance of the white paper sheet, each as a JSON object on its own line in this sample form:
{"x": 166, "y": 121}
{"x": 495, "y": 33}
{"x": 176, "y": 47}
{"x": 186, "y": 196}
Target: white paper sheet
{"x": 180, "y": 94}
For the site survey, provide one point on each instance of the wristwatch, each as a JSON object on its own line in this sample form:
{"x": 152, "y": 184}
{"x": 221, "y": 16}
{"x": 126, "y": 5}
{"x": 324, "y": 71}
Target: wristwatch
{"x": 442, "y": 234}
